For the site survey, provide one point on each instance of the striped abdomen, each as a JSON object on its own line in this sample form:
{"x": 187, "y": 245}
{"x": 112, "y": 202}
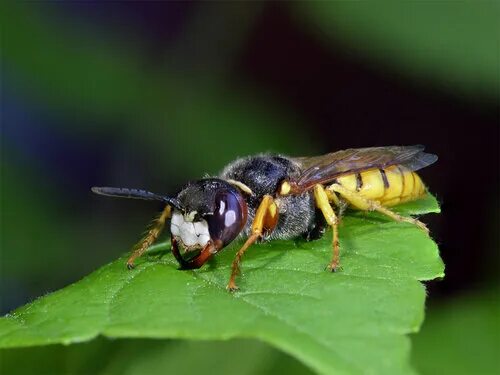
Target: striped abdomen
{"x": 389, "y": 186}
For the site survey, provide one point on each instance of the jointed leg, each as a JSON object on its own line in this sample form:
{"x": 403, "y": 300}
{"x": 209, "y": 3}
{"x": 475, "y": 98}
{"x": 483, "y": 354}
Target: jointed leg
{"x": 372, "y": 205}
{"x": 340, "y": 203}
{"x": 265, "y": 219}
{"x": 150, "y": 237}
{"x": 235, "y": 267}
{"x": 332, "y": 197}
{"x": 323, "y": 203}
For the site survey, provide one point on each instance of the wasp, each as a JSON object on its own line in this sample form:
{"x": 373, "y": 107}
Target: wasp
{"x": 272, "y": 196}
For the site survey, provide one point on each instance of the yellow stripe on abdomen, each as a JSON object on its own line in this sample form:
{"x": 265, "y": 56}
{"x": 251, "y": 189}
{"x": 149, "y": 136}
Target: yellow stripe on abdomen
{"x": 404, "y": 186}
{"x": 348, "y": 181}
{"x": 389, "y": 186}
{"x": 373, "y": 184}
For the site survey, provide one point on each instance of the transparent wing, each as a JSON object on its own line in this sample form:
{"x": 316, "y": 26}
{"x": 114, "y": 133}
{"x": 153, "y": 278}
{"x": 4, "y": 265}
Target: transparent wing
{"x": 325, "y": 168}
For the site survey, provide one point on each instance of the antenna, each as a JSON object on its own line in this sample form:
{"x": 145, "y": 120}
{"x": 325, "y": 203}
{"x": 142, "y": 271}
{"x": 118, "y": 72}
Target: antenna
{"x": 135, "y": 194}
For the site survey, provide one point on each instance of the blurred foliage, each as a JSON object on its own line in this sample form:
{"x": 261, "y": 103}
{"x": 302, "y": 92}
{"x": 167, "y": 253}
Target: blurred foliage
{"x": 173, "y": 112}
{"x": 461, "y": 336}
{"x": 42, "y": 213}
{"x": 41, "y": 224}
{"x": 129, "y": 357}
{"x": 453, "y": 44}
{"x": 287, "y": 298}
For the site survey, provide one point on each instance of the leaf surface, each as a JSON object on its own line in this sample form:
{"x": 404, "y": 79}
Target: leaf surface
{"x": 346, "y": 322}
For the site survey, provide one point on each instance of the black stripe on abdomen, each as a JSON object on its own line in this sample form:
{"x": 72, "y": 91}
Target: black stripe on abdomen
{"x": 384, "y": 178}
{"x": 359, "y": 181}
{"x": 402, "y": 174}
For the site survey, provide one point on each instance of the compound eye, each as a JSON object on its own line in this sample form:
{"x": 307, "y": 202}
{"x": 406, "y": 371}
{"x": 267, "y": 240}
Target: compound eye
{"x": 228, "y": 219}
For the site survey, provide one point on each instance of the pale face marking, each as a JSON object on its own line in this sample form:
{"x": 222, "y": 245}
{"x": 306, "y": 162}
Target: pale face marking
{"x": 190, "y": 216}
{"x": 191, "y": 234}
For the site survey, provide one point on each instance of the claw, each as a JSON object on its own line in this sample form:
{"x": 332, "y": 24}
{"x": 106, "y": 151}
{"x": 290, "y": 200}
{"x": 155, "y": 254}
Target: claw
{"x": 334, "y": 267}
{"x": 232, "y": 286}
{"x": 130, "y": 265}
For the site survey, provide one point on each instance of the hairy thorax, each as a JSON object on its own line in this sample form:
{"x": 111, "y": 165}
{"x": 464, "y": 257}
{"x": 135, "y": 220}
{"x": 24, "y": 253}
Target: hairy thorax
{"x": 263, "y": 174}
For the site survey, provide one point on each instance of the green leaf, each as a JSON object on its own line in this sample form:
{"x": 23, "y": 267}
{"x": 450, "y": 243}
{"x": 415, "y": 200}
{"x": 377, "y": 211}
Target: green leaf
{"x": 344, "y": 322}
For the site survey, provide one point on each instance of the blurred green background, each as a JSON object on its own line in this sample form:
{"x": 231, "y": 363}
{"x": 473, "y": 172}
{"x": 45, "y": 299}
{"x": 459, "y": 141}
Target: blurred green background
{"x": 154, "y": 94}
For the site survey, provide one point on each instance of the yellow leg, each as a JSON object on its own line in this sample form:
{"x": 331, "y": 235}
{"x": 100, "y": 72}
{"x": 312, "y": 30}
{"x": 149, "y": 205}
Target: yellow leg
{"x": 332, "y": 197}
{"x": 150, "y": 237}
{"x": 266, "y": 218}
{"x": 322, "y": 201}
{"x": 370, "y": 205}
{"x": 341, "y": 204}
